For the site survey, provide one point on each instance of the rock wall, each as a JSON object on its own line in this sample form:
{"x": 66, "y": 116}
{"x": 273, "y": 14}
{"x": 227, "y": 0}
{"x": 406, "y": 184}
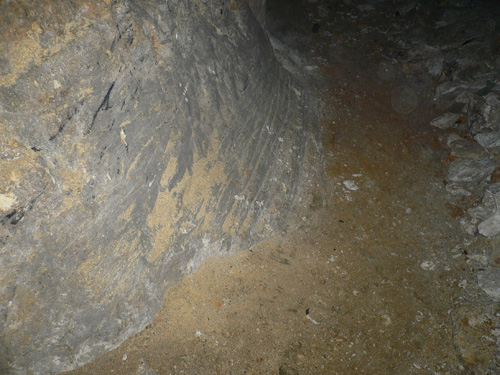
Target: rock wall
{"x": 137, "y": 138}
{"x": 258, "y": 8}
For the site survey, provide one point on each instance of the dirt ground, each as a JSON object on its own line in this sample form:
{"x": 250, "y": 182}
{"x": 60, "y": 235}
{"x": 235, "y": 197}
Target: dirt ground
{"x": 363, "y": 278}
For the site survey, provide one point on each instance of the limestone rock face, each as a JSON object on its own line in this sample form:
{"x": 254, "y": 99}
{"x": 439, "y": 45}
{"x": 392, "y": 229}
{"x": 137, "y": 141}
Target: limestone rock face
{"x": 137, "y": 138}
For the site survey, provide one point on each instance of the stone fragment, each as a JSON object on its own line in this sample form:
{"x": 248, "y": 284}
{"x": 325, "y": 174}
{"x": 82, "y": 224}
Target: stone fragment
{"x": 467, "y": 226}
{"x": 435, "y": 65}
{"x": 491, "y": 225}
{"x": 144, "y": 369}
{"x": 480, "y": 259}
{"x": 463, "y": 148}
{"x": 489, "y": 282}
{"x": 448, "y": 88}
{"x": 470, "y": 170}
{"x": 488, "y": 140}
{"x": 491, "y": 109}
{"x": 428, "y": 265}
{"x": 453, "y": 137}
{"x": 480, "y": 212}
{"x": 483, "y": 113}
{"x": 351, "y": 185}
{"x": 448, "y": 120}
{"x": 461, "y": 189}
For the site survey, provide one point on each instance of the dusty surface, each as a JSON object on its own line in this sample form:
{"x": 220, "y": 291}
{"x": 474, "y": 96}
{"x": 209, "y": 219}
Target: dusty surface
{"x": 372, "y": 251}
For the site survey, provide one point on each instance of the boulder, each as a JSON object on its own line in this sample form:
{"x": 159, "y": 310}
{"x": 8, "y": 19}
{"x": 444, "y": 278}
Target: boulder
{"x": 137, "y": 139}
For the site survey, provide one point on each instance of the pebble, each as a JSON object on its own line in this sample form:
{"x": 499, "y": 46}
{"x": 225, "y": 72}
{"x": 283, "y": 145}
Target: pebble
{"x": 351, "y": 185}
{"x": 491, "y": 226}
{"x": 427, "y": 265}
{"x": 489, "y": 282}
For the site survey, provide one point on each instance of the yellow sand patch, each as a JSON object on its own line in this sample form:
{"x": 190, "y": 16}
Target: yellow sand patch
{"x": 22, "y": 53}
{"x": 73, "y": 181}
{"x": 207, "y": 172}
{"x": 7, "y": 201}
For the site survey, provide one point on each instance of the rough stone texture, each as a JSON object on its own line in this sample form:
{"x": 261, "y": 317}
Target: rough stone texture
{"x": 475, "y": 335}
{"x": 137, "y": 138}
{"x": 470, "y": 170}
{"x": 489, "y": 282}
{"x": 259, "y": 10}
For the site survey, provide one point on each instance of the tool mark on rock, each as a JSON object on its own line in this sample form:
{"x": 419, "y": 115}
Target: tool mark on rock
{"x": 104, "y": 106}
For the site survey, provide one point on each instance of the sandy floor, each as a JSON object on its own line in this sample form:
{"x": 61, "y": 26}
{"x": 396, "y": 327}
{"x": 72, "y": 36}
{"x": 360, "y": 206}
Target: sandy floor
{"x": 362, "y": 280}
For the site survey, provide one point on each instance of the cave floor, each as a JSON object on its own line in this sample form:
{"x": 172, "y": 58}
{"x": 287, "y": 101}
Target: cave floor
{"x": 363, "y": 279}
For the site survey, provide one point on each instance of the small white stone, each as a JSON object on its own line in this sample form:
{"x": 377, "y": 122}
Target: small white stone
{"x": 351, "y": 185}
{"x": 427, "y": 265}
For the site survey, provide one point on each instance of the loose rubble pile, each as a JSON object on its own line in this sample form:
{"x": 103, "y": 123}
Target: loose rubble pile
{"x": 457, "y": 44}
{"x": 459, "y": 49}
{"x": 474, "y": 143}
{"x": 467, "y": 76}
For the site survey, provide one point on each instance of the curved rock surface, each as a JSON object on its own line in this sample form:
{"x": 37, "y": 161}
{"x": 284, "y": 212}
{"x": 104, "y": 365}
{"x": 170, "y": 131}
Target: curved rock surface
{"x": 137, "y": 138}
